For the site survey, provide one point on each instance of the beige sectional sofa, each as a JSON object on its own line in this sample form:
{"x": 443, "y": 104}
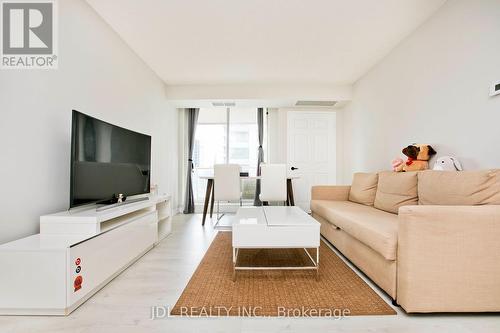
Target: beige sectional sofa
{"x": 430, "y": 239}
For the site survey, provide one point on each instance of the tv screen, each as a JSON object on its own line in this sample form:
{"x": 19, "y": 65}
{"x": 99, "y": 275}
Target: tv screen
{"x": 107, "y": 160}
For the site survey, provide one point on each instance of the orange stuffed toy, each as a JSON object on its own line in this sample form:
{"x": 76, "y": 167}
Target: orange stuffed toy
{"x": 418, "y": 158}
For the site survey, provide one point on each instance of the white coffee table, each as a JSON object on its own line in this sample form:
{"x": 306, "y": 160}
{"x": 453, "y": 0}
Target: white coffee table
{"x": 275, "y": 227}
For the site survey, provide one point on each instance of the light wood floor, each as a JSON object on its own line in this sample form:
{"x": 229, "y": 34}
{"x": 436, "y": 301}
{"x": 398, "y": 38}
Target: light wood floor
{"x": 159, "y": 277}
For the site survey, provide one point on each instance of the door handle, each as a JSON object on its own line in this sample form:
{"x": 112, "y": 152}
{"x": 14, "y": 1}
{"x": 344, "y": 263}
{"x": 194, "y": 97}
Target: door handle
{"x": 294, "y": 168}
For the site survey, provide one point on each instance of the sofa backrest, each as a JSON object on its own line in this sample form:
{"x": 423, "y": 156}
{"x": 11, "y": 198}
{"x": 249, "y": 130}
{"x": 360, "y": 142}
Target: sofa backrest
{"x": 396, "y": 189}
{"x": 363, "y": 188}
{"x": 388, "y": 190}
{"x": 468, "y": 188}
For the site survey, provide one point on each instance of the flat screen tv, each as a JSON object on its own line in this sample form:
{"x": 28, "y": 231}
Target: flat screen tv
{"x": 107, "y": 160}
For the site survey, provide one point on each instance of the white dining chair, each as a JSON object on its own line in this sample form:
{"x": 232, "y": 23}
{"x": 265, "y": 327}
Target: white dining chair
{"x": 273, "y": 183}
{"x": 227, "y": 184}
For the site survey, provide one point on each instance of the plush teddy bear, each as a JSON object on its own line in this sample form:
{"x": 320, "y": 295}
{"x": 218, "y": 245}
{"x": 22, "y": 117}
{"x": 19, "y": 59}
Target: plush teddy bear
{"x": 418, "y": 158}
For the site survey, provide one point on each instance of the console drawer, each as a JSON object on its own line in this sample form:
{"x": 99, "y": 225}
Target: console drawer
{"x": 94, "y": 262}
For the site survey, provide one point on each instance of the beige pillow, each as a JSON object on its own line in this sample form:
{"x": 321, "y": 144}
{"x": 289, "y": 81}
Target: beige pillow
{"x": 363, "y": 188}
{"x": 467, "y": 188}
{"x": 396, "y": 189}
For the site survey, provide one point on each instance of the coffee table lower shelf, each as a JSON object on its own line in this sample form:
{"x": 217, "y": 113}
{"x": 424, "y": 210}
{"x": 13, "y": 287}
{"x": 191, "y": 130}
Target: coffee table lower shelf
{"x": 315, "y": 264}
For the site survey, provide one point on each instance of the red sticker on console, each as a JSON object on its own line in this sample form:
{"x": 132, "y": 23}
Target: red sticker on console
{"x": 78, "y": 261}
{"x": 78, "y": 283}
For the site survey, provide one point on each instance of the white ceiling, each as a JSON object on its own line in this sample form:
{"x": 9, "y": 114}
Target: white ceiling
{"x": 263, "y": 41}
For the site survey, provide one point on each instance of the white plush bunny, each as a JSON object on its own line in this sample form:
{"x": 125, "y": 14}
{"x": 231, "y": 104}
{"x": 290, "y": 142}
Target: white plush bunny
{"x": 447, "y": 163}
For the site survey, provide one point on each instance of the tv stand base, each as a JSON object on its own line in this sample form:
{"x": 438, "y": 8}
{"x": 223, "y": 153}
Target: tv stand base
{"x": 76, "y": 254}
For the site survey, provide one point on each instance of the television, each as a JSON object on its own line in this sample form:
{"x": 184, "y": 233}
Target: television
{"x": 106, "y": 161}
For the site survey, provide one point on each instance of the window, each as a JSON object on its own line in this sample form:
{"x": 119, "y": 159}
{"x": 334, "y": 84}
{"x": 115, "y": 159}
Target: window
{"x": 225, "y": 136}
{"x": 240, "y": 136}
{"x": 239, "y": 154}
{"x": 210, "y": 145}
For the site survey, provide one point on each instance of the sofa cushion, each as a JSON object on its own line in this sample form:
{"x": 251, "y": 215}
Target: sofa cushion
{"x": 396, "y": 189}
{"x": 373, "y": 227}
{"x": 468, "y": 188}
{"x": 363, "y": 188}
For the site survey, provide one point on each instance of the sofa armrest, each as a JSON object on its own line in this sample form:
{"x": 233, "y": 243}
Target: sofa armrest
{"x": 330, "y": 192}
{"x": 449, "y": 258}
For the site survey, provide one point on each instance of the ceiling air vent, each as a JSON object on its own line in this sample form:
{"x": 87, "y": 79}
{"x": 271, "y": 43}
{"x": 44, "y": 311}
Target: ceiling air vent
{"x": 226, "y": 104}
{"x": 316, "y": 103}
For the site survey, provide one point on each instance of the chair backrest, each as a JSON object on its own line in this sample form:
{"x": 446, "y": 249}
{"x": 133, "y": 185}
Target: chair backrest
{"x": 227, "y": 182}
{"x": 273, "y": 182}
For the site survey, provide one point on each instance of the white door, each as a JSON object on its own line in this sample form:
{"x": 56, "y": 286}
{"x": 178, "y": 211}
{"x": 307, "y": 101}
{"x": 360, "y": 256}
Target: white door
{"x": 311, "y": 152}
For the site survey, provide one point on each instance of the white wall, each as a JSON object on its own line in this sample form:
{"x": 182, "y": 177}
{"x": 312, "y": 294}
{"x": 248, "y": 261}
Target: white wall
{"x": 98, "y": 74}
{"x": 432, "y": 88}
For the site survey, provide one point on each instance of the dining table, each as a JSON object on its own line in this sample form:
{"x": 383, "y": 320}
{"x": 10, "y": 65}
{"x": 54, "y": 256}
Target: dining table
{"x": 209, "y": 194}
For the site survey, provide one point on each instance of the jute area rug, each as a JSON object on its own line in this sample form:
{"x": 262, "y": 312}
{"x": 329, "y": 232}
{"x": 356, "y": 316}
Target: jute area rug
{"x": 338, "y": 292}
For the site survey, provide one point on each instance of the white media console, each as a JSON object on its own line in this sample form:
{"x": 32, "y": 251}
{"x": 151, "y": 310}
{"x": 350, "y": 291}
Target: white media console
{"x": 77, "y": 253}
